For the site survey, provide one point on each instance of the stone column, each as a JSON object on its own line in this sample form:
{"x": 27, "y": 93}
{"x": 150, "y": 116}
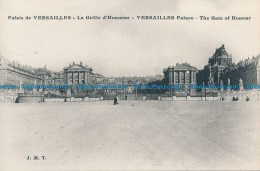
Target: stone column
{"x": 86, "y": 77}
{"x": 184, "y": 75}
{"x": 191, "y": 77}
{"x": 68, "y": 77}
{"x": 170, "y": 76}
{"x": 89, "y": 78}
{"x": 173, "y": 74}
{"x": 78, "y": 77}
{"x": 179, "y": 77}
{"x": 65, "y": 76}
{"x": 194, "y": 77}
{"x": 73, "y": 77}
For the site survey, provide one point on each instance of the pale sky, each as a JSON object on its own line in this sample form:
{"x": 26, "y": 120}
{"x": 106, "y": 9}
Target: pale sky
{"x": 129, "y": 47}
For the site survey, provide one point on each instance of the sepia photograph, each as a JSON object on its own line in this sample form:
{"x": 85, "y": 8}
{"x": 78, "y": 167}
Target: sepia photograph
{"x": 129, "y": 85}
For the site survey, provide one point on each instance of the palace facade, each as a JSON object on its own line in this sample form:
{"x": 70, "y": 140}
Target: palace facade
{"x": 218, "y": 62}
{"x": 183, "y": 74}
{"x": 221, "y": 70}
{"x": 17, "y": 74}
{"x": 247, "y": 70}
{"x": 78, "y": 74}
{"x": 13, "y": 73}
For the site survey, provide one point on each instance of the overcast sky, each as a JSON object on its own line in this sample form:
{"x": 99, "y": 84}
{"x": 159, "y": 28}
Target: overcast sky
{"x": 117, "y": 48}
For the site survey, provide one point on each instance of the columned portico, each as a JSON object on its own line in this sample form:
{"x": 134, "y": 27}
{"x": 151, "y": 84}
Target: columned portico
{"x": 185, "y": 75}
{"x": 77, "y": 74}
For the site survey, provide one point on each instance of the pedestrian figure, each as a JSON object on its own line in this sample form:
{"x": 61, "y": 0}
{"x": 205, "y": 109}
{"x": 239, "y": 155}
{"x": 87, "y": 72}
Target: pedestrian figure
{"x": 247, "y": 98}
{"x": 115, "y": 100}
{"x": 17, "y": 100}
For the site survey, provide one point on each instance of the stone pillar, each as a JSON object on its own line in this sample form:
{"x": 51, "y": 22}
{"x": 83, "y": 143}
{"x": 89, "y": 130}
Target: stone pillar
{"x": 170, "y": 76}
{"x": 68, "y": 77}
{"x": 65, "y": 76}
{"x": 179, "y": 77}
{"x": 218, "y": 77}
{"x": 73, "y": 78}
{"x": 83, "y": 75}
{"x": 191, "y": 77}
{"x": 191, "y": 82}
{"x": 184, "y": 75}
{"x": 89, "y": 78}
{"x": 194, "y": 77}
{"x": 78, "y": 77}
{"x": 86, "y": 77}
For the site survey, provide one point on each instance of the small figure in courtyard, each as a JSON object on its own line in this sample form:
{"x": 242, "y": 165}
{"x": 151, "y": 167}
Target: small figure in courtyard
{"x": 247, "y": 98}
{"x": 17, "y": 100}
{"x": 116, "y": 100}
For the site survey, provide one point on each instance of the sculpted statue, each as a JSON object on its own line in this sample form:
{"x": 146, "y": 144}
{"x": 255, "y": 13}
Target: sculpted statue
{"x": 241, "y": 84}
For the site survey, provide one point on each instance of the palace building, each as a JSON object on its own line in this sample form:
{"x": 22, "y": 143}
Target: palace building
{"x": 247, "y": 70}
{"x": 78, "y": 74}
{"x": 217, "y": 63}
{"x": 183, "y": 74}
{"x": 221, "y": 70}
{"x": 17, "y": 74}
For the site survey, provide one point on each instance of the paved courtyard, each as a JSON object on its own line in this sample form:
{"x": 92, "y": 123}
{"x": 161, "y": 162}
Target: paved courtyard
{"x": 139, "y": 135}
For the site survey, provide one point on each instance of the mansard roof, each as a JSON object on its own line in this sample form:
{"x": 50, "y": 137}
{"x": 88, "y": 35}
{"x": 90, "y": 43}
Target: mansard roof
{"x": 3, "y": 62}
{"x": 42, "y": 71}
{"x": 250, "y": 61}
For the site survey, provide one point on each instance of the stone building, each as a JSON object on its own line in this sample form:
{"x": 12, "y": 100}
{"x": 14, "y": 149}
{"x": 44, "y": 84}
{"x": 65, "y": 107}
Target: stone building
{"x": 44, "y": 74}
{"x": 183, "y": 74}
{"x": 57, "y": 78}
{"x": 247, "y": 70}
{"x": 78, "y": 74}
{"x": 17, "y": 74}
{"x": 217, "y": 63}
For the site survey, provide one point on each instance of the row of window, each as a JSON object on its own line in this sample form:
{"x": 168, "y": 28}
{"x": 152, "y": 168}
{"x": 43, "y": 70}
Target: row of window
{"x": 16, "y": 77}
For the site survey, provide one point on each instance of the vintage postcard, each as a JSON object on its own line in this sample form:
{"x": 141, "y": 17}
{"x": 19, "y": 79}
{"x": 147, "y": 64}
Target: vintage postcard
{"x": 129, "y": 85}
